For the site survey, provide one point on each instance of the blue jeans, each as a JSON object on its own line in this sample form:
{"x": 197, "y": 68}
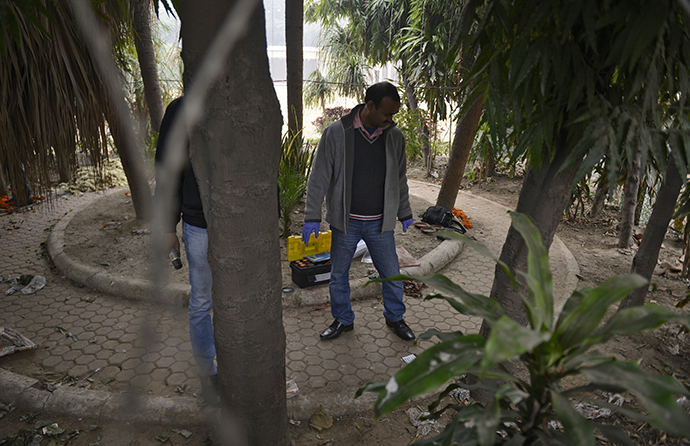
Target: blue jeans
{"x": 200, "y": 301}
{"x": 381, "y": 246}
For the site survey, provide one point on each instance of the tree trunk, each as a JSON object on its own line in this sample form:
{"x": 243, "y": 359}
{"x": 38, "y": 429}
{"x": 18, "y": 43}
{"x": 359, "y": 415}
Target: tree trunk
{"x": 294, "y": 36}
{"x": 544, "y": 195}
{"x": 600, "y": 194}
{"x": 147, "y": 61}
{"x": 685, "y": 273}
{"x": 460, "y": 151}
{"x": 648, "y": 253}
{"x": 490, "y": 160}
{"x": 132, "y": 160}
{"x": 641, "y": 195}
{"x": 632, "y": 183}
{"x": 66, "y": 160}
{"x": 235, "y": 152}
{"x": 4, "y": 189}
{"x": 64, "y": 169}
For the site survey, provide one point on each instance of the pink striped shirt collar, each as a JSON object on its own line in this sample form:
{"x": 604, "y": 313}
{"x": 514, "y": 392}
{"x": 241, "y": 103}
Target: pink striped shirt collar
{"x": 373, "y": 137}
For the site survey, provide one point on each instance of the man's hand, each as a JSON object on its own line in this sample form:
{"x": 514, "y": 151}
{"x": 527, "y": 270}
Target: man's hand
{"x": 171, "y": 241}
{"x": 309, "y": 227}
{"x": 407, "y": 223}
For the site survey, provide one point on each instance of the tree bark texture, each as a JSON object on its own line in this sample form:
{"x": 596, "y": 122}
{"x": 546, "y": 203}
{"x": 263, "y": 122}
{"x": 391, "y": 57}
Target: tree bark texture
{"x": 132, "y": 160}
{"x": 147, "y": 61}
{"x": 632, "y": 184}
{"x": 648, "y": 253}
{"x": 235, "y": 151}
{"x": 294, "y": 36}
{"x": 460, "y": 151}
{"x": 544, "y": 195}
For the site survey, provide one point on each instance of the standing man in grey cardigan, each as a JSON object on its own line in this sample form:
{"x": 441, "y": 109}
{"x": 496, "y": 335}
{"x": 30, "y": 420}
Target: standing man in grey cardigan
{"x": 360, "y": 170}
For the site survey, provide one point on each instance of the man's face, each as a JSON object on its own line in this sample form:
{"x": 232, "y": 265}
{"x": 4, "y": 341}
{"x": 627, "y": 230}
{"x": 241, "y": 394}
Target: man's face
{"x": 379, "y": 117}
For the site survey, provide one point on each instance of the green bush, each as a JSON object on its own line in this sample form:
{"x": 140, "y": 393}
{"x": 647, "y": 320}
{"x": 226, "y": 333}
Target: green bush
{"x": 408, "y": 122}
{"x": 550, "y": 349}
{"x": 295, "y": 164}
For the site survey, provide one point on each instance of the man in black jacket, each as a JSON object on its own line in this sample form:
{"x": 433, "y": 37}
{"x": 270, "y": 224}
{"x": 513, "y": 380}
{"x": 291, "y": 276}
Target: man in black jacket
{"x": 188, "y": 205}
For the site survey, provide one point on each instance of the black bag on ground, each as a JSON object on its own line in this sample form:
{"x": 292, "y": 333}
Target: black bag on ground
{"x": 438, "y": 215}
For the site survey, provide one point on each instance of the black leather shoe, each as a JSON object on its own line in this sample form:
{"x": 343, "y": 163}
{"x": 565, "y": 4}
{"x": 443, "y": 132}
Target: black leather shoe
{"x": 335, "y": 330}
{"x": 401, "y": 329}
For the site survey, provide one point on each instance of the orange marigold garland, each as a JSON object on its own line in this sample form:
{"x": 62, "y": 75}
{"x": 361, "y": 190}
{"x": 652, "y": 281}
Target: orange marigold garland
{"x": 8, "y": 205}
{"x": 4, "y": 203}
{"x": 463, "y": 218}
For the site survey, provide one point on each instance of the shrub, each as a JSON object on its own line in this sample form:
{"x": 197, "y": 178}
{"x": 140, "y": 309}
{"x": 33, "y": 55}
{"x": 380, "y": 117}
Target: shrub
{"x": 330, "y": 115}
{"x": 295, "y": 164}
{"x": 548, "y": 350}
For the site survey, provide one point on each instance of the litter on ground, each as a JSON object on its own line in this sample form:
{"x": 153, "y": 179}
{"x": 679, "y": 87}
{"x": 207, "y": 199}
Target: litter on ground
{"x": 11, "y": 341}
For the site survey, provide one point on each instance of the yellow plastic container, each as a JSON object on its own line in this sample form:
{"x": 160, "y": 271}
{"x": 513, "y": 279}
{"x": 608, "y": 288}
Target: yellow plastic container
{"x": 296, "y": 249}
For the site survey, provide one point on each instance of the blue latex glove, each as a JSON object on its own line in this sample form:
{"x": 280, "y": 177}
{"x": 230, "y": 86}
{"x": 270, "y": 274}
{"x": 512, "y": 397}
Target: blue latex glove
{"x": 309, "y": 227}
{"x": 407, "y": 223}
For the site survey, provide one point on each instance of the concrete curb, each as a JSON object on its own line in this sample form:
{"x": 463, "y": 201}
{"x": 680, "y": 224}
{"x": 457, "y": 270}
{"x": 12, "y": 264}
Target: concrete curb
{"x": 178, "y": 294}
{"x": 85, "y": 275}
{"x": 22, "y": 391}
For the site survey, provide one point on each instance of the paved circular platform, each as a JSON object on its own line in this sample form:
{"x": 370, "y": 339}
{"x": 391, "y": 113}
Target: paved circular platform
{"x": 135, "y": 344}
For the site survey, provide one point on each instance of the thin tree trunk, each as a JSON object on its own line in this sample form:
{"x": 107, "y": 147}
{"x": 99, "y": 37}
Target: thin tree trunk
{"x": 685, "y": 273}
{"x": 66, "y": 159}
{"x": 460, "y": 151}
{"x": 294, "y": 32}
{"x": 490, "y": 161}
{"x": 132, "y": 160}
{"x": 600, "y": 194}
{"x": 632, "y": 183}
{"x": 235, "y": 152}
{"x": 648, "y": 253}
{"x": 147, "y": 61}
{"x": 641, "y": 195}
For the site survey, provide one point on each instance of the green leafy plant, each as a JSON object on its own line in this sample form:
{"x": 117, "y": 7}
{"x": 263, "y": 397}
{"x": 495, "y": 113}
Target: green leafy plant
{"x": 318, "y": 90}
{"x": 295, "y": 164}
{"x": 408, "y": 122}
{"x": 544, "y": 353}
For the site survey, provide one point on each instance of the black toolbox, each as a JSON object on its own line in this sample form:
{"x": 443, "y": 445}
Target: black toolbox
{"x": 306, "y": 274}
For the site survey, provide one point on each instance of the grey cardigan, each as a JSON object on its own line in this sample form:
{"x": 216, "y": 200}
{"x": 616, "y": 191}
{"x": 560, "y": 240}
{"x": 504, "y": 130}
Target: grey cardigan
{"x": 331, "y": 176}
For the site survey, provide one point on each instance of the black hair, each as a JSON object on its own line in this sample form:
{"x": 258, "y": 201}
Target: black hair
{"x": 381, "y": 90}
